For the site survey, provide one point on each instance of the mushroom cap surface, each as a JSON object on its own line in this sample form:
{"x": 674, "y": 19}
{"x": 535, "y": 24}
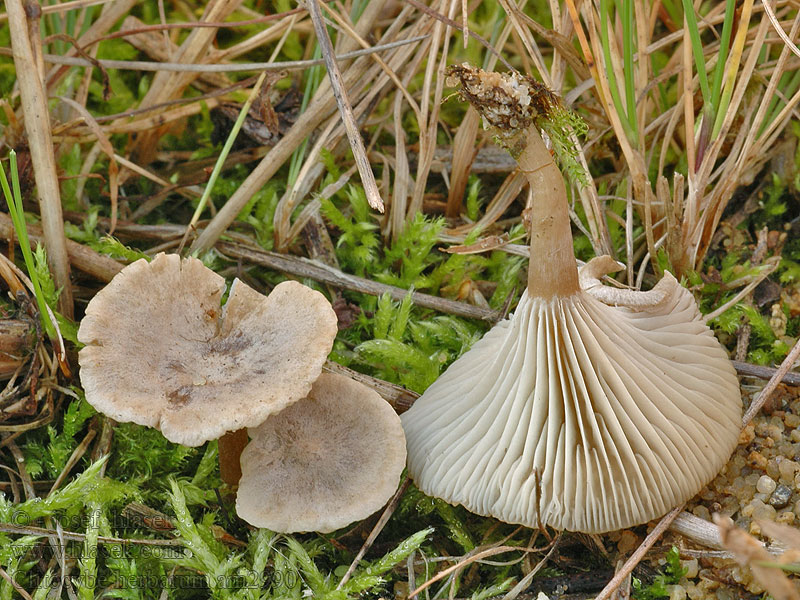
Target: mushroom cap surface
{"x": 161, "y": 350}
{"x": 579, "y": 415}
{"x": 329, "y": 459}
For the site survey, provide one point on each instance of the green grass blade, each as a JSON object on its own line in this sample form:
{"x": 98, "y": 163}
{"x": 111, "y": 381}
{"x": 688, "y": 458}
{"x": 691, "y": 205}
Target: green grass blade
{"x": 628, "y": 49}
{"x": 14, "y": 201}
{"x": 724, "y": 42}
{"x": 605, "y": 24}
{"x": 226, "y": 148}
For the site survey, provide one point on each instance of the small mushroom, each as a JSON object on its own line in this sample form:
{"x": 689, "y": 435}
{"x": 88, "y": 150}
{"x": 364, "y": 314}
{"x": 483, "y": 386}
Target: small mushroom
{"x": 329, "y": 459}
{"x": 590, "y": 409}
{"x": 162, "y": 351}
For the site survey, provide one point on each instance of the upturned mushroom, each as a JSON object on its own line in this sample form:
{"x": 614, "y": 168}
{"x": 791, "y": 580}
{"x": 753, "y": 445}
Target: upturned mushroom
{"x": 329, "y": 459}
{"x": 588, "y": 409}
{"x": 163, "y": 351}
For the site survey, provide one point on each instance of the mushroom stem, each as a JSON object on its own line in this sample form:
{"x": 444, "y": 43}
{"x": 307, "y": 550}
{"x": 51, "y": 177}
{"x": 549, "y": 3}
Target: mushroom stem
{"x": 552, "y": 270}
{"x": 230, "y": 451}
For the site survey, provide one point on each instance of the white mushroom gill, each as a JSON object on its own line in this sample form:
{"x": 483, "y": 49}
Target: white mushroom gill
{"x": 590, "y": 409}
{"x": 579, "y": 415}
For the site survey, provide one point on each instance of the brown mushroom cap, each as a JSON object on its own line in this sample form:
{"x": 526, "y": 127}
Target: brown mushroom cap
{"x": 161, "y": 351}
{"x": 330, "y": 459}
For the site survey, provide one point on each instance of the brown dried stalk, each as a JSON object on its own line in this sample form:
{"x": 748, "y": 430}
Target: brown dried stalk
{"x": 37, "y": 126}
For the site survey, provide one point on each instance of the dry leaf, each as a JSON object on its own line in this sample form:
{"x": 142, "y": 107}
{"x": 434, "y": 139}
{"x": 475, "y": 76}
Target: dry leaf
{"x": 751, "y": 553}
{"x": 490, "y": 242}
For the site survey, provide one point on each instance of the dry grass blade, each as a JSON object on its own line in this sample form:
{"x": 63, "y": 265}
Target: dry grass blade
{"x": 311, "y": 171}
{"x": 64, "y": 7}
{"x": 162, "y": 49}
{"x": 340, "y": 94}
{"x": 464, "y": 153}
{"x": 778, "y": 29}
{"x": 105, "y": 145}
{"x": 112, "y": 13}
{"x": 373, "y": 535}
{"x": 168, "y": 86}
{"x": 76, "y": 455}
{"x": 402, "y": 175}
{"x": 79, "y": 537}
{"x": 750, "y": 552}
{"x": 317, "y": 111}
{"x": 466, "y": 561}
{"x": 37, "y": 126}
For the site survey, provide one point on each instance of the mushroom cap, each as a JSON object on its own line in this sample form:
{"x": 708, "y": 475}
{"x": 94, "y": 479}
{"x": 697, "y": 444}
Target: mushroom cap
{"x": 579, "y": 415}
{"x": 161, "y": 351}
{"x": 329, "y": 459}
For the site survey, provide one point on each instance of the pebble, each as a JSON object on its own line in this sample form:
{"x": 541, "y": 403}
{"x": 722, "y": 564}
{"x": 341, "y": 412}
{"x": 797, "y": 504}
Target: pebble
{"x": 691, "y": 566}
{"x": 766, "y": 484}
{"x": 676, "y": 592}
{"x": 781, "y": 496}
{"x": 757, "y": 460}
{"x": 786, "y": 517}
{"x": 788, "y": 470}
{"x": 791, "y": 420}
{"x": 772, "y": 467}
{"x": 627, "y": 542}
{"x": 747, "y": 435}
{"x": 702, "y": 512}
{"x": 765, "y": 511}
{"x": 724, "y": 594}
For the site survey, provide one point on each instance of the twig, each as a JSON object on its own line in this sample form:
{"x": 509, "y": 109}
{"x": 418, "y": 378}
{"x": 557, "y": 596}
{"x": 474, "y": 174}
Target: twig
{"x": 289, "y": 65}
{"x": 698, "y": 530}
{"x": 776, "y": 378}
{"x": 469, "y": 560}
{"x": 638, "y": 555}
{"x": 385, "y": 516}
{"x": 79, "y": 537}
{"x": 345, "y": 109}
{"x": 525, "y": 581}
{"x": 40, "y": 142}
{"x": 76, "y": 455}
{"x": 27, "y": 482}
{"x": 84, "y": 258}
{"x": 399, "y": 397}
{"x": 749, "y": 370}
{"x": 64, "y": 6}
{"x": 17, "y": 586}
{"x": 303, "y": 267}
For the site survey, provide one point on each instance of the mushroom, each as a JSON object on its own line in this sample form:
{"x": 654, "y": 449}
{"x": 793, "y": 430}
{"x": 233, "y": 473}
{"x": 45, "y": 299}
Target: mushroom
{"x": 329, "y": 459}
{"x": 588, "y": 409}
{"x": 162, "y": 351}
